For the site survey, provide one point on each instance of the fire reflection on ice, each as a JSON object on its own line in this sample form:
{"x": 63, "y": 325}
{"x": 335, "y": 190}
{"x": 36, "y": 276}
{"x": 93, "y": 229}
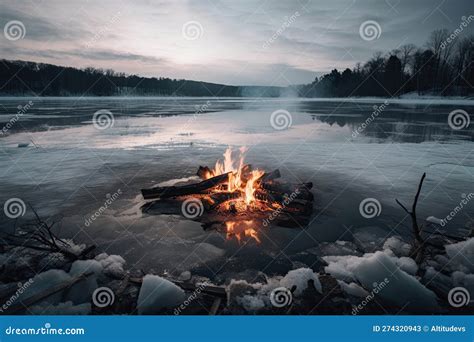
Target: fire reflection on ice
{"x": 243, "y": 229}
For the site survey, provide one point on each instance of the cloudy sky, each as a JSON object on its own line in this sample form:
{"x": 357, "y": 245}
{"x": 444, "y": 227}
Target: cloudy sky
{"x": 245, "y": 42}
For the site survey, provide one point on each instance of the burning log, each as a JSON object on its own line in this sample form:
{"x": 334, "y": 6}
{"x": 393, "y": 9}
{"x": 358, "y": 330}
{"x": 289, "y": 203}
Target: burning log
{"x": 192, "y": 189}
{"x": 235, "y": 199}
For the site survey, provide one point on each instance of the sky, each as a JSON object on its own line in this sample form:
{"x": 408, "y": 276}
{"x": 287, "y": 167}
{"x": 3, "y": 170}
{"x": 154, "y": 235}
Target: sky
{"x": 245, "y": 42}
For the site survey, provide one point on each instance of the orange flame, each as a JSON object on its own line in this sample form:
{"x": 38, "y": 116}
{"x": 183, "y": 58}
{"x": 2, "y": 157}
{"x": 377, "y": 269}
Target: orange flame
{"x": 241, "y": 229}
{"x": 238, "y": 182}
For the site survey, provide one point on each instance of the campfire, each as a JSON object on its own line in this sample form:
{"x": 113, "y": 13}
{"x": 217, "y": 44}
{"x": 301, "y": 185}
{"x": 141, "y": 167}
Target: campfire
{"x": 235, "y": 198}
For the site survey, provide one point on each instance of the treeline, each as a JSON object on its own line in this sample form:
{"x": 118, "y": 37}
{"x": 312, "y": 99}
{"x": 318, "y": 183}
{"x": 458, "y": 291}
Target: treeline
{"x": 445, "y": 66}
{"x": 38, "y": 79}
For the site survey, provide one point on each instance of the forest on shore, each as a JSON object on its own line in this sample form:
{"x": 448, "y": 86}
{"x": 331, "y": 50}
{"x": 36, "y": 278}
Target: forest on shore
{"x": 444, "y": 66}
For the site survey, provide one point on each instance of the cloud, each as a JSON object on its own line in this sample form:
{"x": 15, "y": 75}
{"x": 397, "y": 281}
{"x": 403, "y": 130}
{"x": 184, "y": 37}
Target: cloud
{"x": 146, "y": 37}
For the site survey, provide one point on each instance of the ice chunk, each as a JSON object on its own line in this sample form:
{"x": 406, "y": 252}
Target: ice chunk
{"x": 251, "y": 303}
{"x": 397, "y": 246}
{"x": 353, "y": 289}
{"x": 157, "y": 293}
{"x": 461, "y": 255}
{"x": 300, "y": 278}
{"x": 402, "y": 289}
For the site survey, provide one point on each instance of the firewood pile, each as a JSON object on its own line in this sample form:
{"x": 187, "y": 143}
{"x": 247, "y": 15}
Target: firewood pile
{"x": 235, "y": 198}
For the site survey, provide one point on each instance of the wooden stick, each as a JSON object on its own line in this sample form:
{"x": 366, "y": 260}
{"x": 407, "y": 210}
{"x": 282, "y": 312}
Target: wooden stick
{"x": 192, "y": 189}
{"x": 47, "y": 292}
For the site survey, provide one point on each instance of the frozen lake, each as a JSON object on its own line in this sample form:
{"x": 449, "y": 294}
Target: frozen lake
{"x": 75, "y": 167}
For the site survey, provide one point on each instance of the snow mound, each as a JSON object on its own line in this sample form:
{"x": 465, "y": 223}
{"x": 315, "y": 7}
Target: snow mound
{"x": 112, "y": 265}
{"x": 157, "y": 293}
{"x": 300, "y": 278}
{"x": 461, "y": 255}
{"x": 397, "y": 246}
{"x": 402, "y": 289}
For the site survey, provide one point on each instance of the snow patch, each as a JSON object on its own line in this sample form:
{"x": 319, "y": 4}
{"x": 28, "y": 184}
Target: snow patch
{"x": 300, "y": 278}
